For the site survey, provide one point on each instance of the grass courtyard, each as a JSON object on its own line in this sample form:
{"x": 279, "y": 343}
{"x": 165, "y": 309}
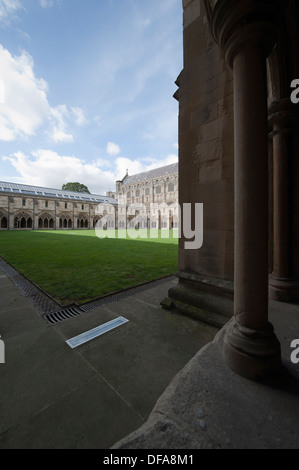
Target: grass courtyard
{"x": 77, "y": 266}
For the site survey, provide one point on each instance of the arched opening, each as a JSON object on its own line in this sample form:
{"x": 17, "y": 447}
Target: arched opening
{"x": 95, "y": 222}
{"x": 3, "y": 222}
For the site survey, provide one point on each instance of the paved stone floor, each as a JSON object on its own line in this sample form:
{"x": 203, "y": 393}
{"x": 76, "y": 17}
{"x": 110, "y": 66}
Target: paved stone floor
{"x": 52, "y": 396}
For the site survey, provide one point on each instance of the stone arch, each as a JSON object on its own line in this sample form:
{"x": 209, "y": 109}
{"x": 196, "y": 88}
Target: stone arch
{"x": 3, "y": 220}
{"x": 23, "y": 220}
{"x": 95, "y": 221}
{"x": 65, "y": 221}
{"x": 82, "y": 221}
{"x": 45, "y": 221}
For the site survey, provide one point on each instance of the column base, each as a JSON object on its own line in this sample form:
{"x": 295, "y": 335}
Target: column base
{"x": 253, "y": 354}
{"x": 284, "y": 290}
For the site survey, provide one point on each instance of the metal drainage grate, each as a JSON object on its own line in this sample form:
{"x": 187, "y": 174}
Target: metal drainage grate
{"x": 62, "y": 315}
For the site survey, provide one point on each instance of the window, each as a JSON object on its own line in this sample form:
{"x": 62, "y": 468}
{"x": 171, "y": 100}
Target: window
{"x": 82, "y": 207}
{"x": 46, "y": 204}
{"x": 147, "y": 191}
{"x": 129, "y": 195}
{"x": 23, "y": 202}
{"x": 65, "y": 205}
{"x": 171, "y": 187}
{"x": 158, "y": 190}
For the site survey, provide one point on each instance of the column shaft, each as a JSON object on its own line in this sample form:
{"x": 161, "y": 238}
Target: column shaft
{"x": 251, "y": 187}
{"x": 281, "y": 264}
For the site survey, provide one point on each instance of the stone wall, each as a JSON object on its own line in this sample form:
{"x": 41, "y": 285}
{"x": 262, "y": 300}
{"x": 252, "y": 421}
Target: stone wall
{"x": 206, "y": 169}
{"x": 33, "y": 213}
{"x": 206, "y": 144}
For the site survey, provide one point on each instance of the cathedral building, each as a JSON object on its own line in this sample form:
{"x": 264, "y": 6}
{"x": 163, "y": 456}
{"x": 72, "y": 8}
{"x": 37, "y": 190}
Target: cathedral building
{"x": 149, "y": 199}
{"x": 146, "y": 200}
{"x": 24, "y": 207}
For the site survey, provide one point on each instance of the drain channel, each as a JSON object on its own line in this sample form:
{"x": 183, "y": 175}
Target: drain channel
{"x": 52, "y": 310}
{"x": 65, "y": 314}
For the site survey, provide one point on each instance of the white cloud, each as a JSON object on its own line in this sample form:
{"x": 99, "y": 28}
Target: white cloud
{"x": 138, "y": 166}
{"x": 8, "y": 8}
{"x": 112, "y": 149}
{"x": 79, "y": 116}
{"x": 62, "y": 119}
{"x": 58, "y": 117}
{"x": 49, "y": 169}
{"x": 25, "y": 105}
{"x": 60, "y": 136}
{"x": 46, "y": 3}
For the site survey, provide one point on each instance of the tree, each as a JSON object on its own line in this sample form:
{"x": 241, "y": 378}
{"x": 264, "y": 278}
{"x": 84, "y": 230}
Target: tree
{"x": 77, "y": 187}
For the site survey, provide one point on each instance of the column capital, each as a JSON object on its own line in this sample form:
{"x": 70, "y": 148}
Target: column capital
{"x": 235, "y": 23}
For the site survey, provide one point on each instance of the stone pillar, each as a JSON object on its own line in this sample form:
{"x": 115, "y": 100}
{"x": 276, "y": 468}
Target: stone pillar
{"x": 33, "y": 218}
{"x": 247, "y": 35}
{"x": 284, "y": 120}
{"x": 8, "y": 214}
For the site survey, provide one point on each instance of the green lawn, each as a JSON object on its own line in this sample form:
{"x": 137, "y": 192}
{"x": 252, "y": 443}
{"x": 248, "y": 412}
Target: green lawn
{"x": 77, "y": 266}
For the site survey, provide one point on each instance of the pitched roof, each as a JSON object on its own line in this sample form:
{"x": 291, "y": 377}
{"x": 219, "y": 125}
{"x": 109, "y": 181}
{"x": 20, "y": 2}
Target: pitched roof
{"x": 26, "y": 190}
{"x": 147, "y": 175}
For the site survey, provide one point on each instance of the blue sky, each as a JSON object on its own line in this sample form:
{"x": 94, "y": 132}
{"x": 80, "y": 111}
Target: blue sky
{"x": 86, "y": 89}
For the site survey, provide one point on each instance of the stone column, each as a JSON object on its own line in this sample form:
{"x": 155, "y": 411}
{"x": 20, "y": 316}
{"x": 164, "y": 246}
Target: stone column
{"x": 284, "y": 119}
{"x": 33, "y": 218}
{"x": 247, "y": 35}
{"x": 8, "y": 213}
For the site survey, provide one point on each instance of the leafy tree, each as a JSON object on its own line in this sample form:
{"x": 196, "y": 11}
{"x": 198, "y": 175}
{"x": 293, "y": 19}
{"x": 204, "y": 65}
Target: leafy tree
{"x": 77, "y": 187}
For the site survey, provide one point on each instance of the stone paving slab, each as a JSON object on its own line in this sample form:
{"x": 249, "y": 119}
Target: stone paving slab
{"x": 54, "y": 397}
{"x": 208, "y": 406}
